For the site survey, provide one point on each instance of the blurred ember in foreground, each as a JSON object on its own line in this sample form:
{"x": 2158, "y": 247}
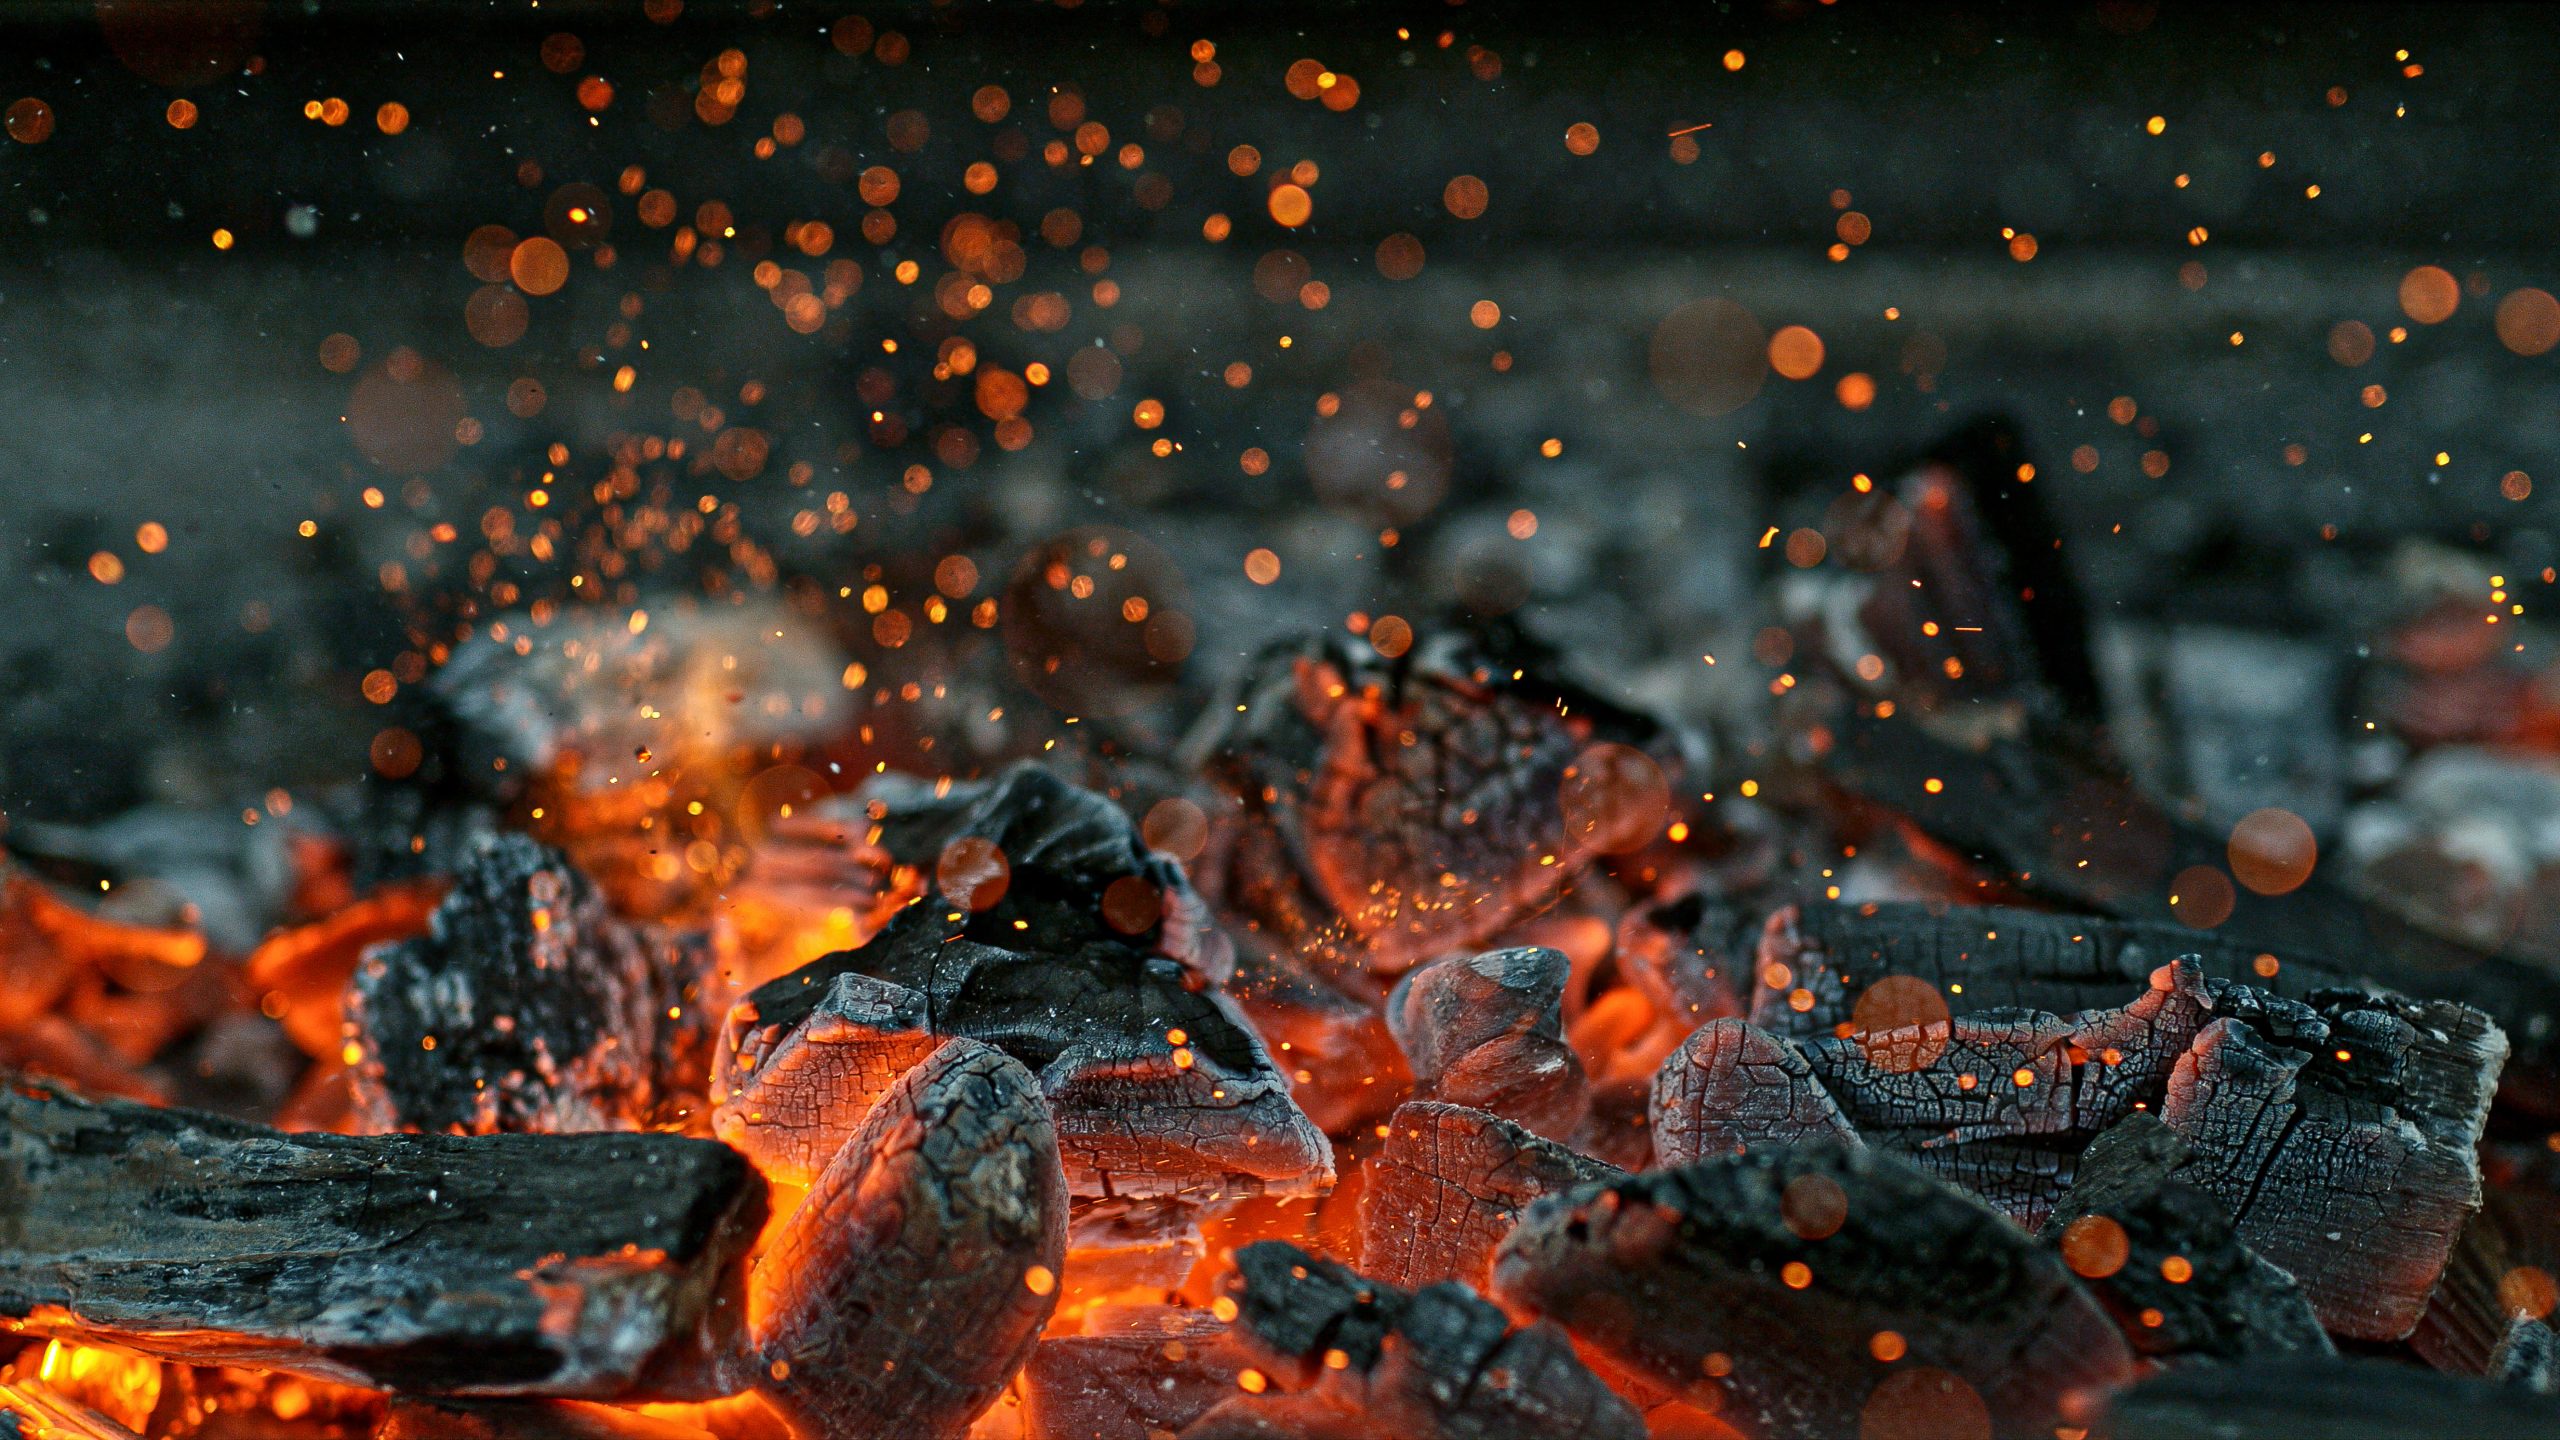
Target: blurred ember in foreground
{"x": 1105, "y": 723}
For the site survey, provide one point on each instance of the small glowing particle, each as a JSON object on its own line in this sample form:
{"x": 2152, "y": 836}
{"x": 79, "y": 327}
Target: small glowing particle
{"x": 1040, "y": 1280}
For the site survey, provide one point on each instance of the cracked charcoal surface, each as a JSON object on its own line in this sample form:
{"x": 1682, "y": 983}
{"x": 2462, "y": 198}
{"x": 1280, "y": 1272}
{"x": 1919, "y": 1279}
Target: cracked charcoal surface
{"x": 407, "y": 1262}
{"x": 2356, "y": 1174}
{"x": 1438, "y": 1362}
{"x": 1487, "y": 1031}
{"x": 1989, "y": 958}
{"x": 1359, "y": 782}
{"x": 1094, "y": 1021}
{"x": 1448, "y": 1184}
{"x": 2030, "y": 813}
{"x": 2230, "y": 1304}
{"x": 1732, "y": 1087}
{"x": 1158, "y": 1369}
{"x": 527, "y": 1006}
{"x": 1999, "y": 1101}
{"x": 1064, "y": 846}
{"x": 1661, "y": 1270}
{"x": 894, "y": 1305}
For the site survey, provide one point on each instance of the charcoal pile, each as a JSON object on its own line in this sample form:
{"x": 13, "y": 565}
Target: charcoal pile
{"x": 1429, "y": 1046}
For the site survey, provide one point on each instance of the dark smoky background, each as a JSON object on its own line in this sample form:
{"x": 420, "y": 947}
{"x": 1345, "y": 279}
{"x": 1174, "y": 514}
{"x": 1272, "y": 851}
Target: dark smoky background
{"x": 334, "y": 336}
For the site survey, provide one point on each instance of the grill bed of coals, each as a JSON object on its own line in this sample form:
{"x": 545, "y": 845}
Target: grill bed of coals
{"x": 1427, "y": 1046}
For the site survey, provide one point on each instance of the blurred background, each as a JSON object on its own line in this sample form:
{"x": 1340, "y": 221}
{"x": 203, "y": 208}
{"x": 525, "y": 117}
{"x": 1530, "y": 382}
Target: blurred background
{"x": 339, "y": 339}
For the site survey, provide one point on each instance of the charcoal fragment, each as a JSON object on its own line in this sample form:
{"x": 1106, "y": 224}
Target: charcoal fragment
{"x": 2324, "y": 1398}
{"x": 1063, "y": 848}
{"x": 1438, "y": 1363}
{"x": 1733, "y": 1087}
{"x": 528, "y": 1006}
{"x": 2164, "y": 1259}
{"x": 1400, "y": 808}
{"x": 1155, "y": 1081}
{"x": 1158, "y": 1368}
{"x": 1448, "y": 1184}
{"x": 558, "y": 1265}
{"x": 900, "y": 1298}
{"x": 2053, "y": 818}
{"x": 1757, "y": 1286}
{"x": 1487, "y": 1031}
{"x": 2345, "y": 1147}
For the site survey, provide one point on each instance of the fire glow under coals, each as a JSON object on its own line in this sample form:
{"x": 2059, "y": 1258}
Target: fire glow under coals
{"x": 841, "y": 934}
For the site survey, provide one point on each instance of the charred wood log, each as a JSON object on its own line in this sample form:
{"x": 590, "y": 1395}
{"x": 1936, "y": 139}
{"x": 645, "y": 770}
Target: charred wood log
{"x": 1788, "y": 1290}
{"x": 1488, "y": 1031}
{"x": 1155, "y": 1081}
{"x": 528, "y": 1006}
{"x": 1448, "y": 1185}
{"x": 2162, "y": 1256}
{"x": 1988, "y": 957}
{"x": 559, "y": 1265}
{"x": 2345, "y": 1144}
{"x": 2054, "y": 821}
{"x": 1159, "y": 1369}
{"x": 2309, "y": 1398}
{"x": 900, "y": 1298}
{"x": 1028, "y": 851}
{"x": 1404, "y": 807}
{"x": 1434, "y": 1363}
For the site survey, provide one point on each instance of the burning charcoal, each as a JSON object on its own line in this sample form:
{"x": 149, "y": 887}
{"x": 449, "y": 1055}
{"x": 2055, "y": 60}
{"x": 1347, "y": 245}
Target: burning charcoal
{"x": 1159, "y": 1368}
{"x": 1156, "y": 1083}
{"x": 1434, "y": 1363}
{"x": 2345, "y": 1145}
{"x": 1287, "y": 1417}
{"x": 1447, "y": 1186}
{"x": 1997, "y": 1102}
{"x": 900, "y": 1298}
{"x": 2056, "y": 822}
{"x": 1126, "y": 1243}
{"x": 525, "y": 1420}
{"x": 45, "y": 942}
{"x": 1344, "y": 1066}
{"x": 1489, "y": 1032}
{"x": 1690, "y": 956}
{"x": 1787, "y": 1291}
{"x": 527, "y": 1006}
{"x": 559, "y": 1265}
{"x": 1414, "y": 805}
{"x": 2161, "y": 1255}
{"x": 1028, "y": 851}
{"x": 1732, "y": 1087}
{"x": 1986, "y": 957}
{"x": 2322, "y": 1398}
{"x": 306, "y": 968}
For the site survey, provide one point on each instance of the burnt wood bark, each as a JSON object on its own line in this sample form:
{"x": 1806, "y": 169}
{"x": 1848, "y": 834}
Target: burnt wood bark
{"x": 560, "y": 1265}
{"x": 528, "y": 1006}
{"x": 1434, "y": 1364}
{"x": 900, "y": 1298}
{"x": 1155, "y": 1081}
{"x": 1684, "y": 1278}
{"x": 1448, "y": 1184}
{"x": 2164, "y": 1259}
{"x": 1487, "y": 1031}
